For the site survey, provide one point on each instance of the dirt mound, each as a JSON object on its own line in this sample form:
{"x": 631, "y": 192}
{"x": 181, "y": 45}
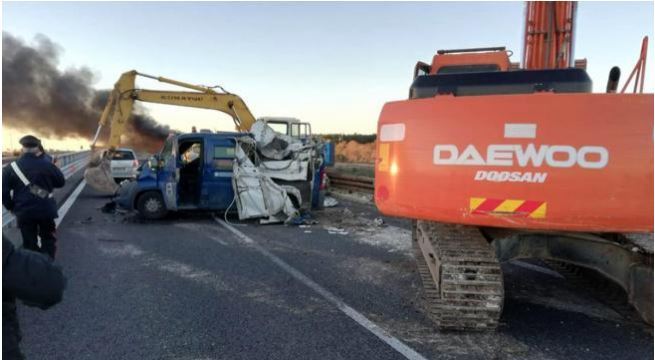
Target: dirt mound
{"x": 353, "y": 151}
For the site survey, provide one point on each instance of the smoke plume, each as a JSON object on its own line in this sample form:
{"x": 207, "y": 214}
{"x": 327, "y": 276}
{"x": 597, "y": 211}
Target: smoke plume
{"x": 38, "y": 97}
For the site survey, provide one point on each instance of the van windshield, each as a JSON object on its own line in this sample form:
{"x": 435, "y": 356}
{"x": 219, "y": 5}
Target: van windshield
{"x": 279, "y": 127}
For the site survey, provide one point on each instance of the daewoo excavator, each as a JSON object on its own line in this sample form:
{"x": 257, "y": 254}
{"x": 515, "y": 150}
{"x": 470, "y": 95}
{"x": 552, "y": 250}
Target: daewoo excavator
{"x": 119, "y": 109}
{"x": 494, "y": 162}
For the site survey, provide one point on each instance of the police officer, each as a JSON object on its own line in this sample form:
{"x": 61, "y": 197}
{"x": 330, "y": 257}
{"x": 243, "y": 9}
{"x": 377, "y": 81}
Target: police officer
{"x": 32, "y": 178}
{"x": 45, "y": 155}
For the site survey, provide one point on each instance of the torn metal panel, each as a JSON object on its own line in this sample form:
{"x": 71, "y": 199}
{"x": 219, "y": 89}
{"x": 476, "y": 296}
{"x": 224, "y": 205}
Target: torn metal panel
{"x": 293, "y": 194}
{"x": 273, "y": 145}
{"x": 273, "y": 173}
{"x": 257, "y": 196}
{"x": 295, "y": 169}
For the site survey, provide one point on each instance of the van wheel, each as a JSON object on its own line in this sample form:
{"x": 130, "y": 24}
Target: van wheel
{"x": 151, "y": 205}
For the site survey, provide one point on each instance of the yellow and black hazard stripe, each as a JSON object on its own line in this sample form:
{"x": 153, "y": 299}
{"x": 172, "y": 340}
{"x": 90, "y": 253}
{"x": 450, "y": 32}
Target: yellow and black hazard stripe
{"x": 510, "y": 207}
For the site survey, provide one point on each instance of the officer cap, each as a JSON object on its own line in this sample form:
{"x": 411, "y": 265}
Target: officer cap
{"x": 30, "y": 141}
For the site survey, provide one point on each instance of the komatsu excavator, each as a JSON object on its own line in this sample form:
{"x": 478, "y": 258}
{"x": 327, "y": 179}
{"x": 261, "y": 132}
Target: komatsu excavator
{"x": 494, "y": 162}
{"x": 119, "y": 109}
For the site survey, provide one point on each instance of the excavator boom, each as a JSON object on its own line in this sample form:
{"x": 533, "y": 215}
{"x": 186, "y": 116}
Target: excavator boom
{"x": 228, "y": 103}
{"x": 121, "y": 102}
{"x": 549, "y": 30}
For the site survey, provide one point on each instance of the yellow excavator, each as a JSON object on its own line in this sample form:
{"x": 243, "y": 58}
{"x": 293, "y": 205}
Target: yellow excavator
{"x": 119, "y": 109}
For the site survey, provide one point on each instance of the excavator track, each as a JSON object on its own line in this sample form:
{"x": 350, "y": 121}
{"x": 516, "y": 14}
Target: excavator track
{"x": 462, "y": 279}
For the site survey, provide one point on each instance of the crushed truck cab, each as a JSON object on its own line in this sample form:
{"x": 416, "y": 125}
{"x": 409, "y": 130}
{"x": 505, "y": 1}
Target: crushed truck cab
{"x": 194, "y": 171}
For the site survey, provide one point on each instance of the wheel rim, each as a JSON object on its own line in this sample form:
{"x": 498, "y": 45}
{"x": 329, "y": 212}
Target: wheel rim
{"x": 153, "y": 205}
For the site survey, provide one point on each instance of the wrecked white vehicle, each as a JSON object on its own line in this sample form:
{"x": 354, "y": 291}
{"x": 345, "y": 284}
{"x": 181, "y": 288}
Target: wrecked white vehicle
{"x": 275, "y": 174}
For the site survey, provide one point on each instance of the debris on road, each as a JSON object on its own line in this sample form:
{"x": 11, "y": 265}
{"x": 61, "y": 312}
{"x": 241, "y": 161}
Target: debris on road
{"x": 329, "y": 201}
{"x": 304, "y": 219}
{"x": 335, "y": 230}
{"x": 367, "y": 230}
{"x": 643, "y": 241}
{"x": 109, "y": 208}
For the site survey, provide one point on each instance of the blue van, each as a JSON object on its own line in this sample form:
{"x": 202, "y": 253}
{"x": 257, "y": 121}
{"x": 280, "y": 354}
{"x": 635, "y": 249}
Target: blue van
{"x": 194, "y": 172}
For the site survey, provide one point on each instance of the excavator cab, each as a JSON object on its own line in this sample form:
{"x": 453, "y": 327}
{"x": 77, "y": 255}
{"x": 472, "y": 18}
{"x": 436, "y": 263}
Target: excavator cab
{"x": 459, "y": 61}
{"x": 488, "y": 71}
{"x": 289, "y": 126}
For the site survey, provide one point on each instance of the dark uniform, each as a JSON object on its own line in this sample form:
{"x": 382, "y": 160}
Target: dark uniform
{"x": 45, "y": 155}
{"x": 35, "y": 213}
{"x": 32, "y": 278}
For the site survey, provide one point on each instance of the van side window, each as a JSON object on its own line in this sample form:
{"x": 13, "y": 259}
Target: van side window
{"x": 223, "y": 156}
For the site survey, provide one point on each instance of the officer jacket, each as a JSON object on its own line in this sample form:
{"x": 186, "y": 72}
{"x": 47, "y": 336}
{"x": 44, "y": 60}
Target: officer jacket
{"x": 23, "y": 203}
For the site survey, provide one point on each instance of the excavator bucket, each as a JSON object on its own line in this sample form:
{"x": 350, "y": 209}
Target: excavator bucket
{"x": 98, "y": 173}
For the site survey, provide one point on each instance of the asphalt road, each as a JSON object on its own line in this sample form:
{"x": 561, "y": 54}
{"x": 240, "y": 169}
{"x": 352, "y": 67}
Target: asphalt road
{"x": 189, "y": 288}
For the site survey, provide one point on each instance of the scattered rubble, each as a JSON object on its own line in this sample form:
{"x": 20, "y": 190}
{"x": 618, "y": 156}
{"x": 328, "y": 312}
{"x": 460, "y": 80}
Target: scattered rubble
{"x": 642, "y": 241}
{"x": 109, "y": 208}
{"x": 366, "y": 230}
{"x": 329, "y": 201}
{"x": 335, "y": 230}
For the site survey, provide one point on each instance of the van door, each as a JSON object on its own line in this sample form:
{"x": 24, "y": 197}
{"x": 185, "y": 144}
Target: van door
{"x": 191, "y": 164}
{"x": 217, "y": 192}
{"x": 168, "y": 173}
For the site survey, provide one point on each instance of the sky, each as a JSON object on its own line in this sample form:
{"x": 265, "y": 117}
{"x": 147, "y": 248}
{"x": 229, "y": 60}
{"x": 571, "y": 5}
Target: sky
{"x": 331, "y": 64}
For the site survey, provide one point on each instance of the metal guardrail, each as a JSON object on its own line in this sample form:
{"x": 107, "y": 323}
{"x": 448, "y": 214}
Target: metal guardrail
{"x": 359, "y": 183}
{"x": 69, "y": 163}
{"x": 7, "y": 159}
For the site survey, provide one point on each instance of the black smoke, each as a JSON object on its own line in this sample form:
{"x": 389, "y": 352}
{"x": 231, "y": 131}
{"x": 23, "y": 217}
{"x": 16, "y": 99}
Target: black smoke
{"x": 38, "y": 97}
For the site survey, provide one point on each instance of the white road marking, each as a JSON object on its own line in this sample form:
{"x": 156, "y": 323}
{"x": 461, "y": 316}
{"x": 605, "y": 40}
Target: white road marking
{"x": 63, "y": 210}
{"x": 382, "y": 334}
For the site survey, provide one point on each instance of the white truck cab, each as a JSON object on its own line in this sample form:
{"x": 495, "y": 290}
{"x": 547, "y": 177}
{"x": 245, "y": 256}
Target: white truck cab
{"x": 289, "y": 126}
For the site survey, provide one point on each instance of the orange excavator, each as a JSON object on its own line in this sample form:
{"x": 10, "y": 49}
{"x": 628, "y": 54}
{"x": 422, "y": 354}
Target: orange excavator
{"x": 494, "y": 162}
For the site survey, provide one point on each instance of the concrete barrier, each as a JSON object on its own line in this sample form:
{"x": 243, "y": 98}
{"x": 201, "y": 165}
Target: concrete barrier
{"x": 69, "y": 163}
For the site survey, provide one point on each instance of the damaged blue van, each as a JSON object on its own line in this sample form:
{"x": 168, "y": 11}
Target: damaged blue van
{"x": 194, "y": 171}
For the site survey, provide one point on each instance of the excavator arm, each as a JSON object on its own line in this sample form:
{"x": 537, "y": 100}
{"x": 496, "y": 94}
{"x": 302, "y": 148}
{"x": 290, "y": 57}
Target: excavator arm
{"x": 119, "y": 107}
{"x": 121, "y": 101}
